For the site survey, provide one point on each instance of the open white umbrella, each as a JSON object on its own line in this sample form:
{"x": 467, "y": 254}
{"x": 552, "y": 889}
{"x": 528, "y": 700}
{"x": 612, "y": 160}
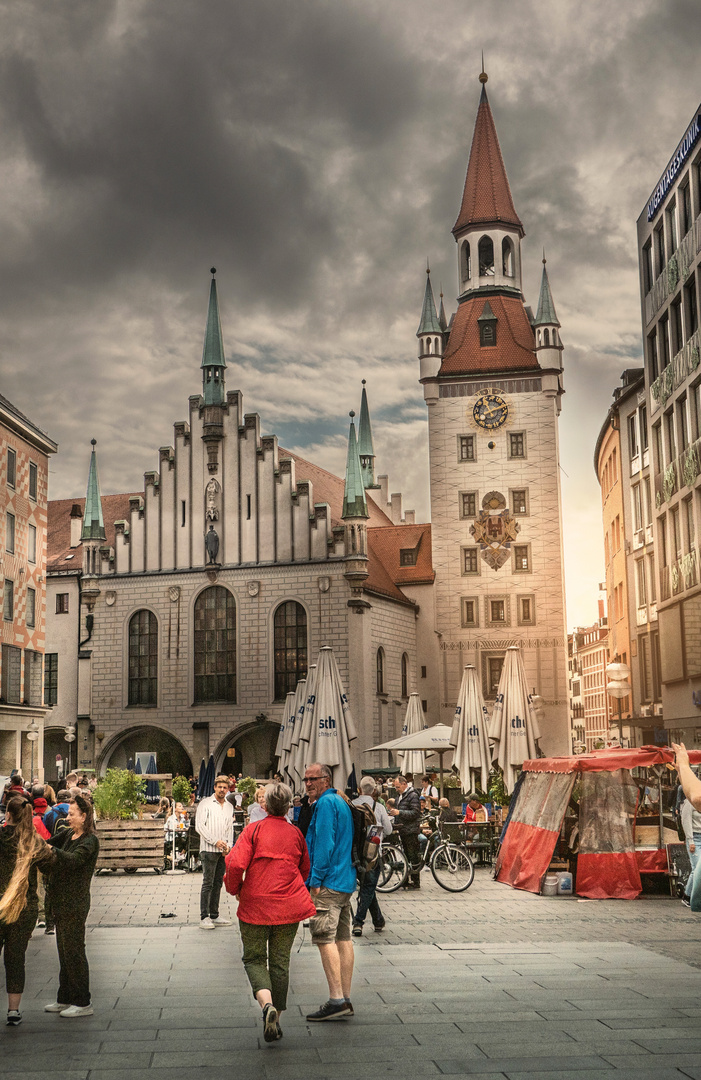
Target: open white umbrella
{"x": 280, "y": 753}
{"x": 332, "y": 727}
{"x": 513, "y": 727}
{"x": 470, "y": 732}
{"x": 413, "y": 761}
{"x": 435, "y": 740}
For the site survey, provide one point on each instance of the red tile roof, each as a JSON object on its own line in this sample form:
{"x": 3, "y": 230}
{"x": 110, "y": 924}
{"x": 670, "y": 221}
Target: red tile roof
{"x": 388, "y": 543}
{"x": 329, "y": 489}
{"x": 486, "y": 198}
{"x": 514, "y": 350}
{"x": 114, "y": 508}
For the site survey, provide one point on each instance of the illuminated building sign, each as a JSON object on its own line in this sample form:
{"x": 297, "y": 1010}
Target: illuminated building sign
{"x": 677, "y": 160}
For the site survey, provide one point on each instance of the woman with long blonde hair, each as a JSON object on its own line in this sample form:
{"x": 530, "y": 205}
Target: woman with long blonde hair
{"x": 21, "y": 850}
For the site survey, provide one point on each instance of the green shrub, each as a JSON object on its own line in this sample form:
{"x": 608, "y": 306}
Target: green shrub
{"x": 181, "y": 790}
{"x": 247, "y": 786}
{"x": 119, "y": 794}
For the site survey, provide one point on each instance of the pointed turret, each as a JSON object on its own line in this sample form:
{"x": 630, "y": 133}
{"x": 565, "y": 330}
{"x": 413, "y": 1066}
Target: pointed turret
{"x": 365, "y": 445}
{"x": 441, "y": 316}
{"x": 213, "y": 363}
{"x": 430, "y": 333}
{"x": 547, "y": 327}
{"x": 354, "y": 501}
{"x": 93, "y": 522}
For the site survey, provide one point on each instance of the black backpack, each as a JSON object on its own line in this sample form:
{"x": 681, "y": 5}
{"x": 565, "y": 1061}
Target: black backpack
{"x": 365, "y": 849}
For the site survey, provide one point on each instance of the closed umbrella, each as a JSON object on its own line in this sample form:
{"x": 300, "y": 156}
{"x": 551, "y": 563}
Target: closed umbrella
{"x": 280, "y": 754}
{"x": 207, "y": 786}
{"x": 435, "y": 740}
{"x": 200, "y": 778}
{"x": 332, "y": 727}
{"x": 470, "y": 732}
{"x": 303, "y": 729}
{"x": 513, "y": 728}
{"x": 292, "y": 734}
{"x": 413, "y": 761}
{"x": 153, "y": 790}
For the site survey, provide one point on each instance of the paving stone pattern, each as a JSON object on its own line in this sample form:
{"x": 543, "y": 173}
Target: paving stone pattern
{"x": 489, "y": 984}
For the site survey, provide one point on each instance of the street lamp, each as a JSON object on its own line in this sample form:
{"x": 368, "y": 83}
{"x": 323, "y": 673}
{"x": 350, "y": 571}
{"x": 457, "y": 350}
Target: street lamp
{"x": 33, "y": 735}
{"x": 69, "y": 737}
{"x": 618, "y": 688}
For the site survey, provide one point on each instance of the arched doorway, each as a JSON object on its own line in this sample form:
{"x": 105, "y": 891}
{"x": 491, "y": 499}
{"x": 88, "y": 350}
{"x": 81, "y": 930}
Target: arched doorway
{"x": 249, "y": 749}
{"x": 55, "y": 746}
{"x": 171, "y": 756}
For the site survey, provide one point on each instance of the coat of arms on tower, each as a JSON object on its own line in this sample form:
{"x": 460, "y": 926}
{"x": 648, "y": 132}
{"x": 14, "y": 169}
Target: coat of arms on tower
{"x": 494, "y": 529}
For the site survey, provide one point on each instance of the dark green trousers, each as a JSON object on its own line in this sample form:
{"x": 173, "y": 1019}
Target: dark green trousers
{"x": 266, "y": 958}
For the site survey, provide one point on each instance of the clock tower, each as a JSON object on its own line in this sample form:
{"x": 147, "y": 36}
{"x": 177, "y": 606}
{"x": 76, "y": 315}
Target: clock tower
{"x": 493, "y": 394}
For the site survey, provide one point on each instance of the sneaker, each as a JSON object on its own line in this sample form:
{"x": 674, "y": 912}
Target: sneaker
{"x": 14, "y": 1017}
{"x": 349, "y": 1006}
{"x": 270, "y": 1024}
{"x": 50, "y": 930}
{"x": 221, "y": 921}
{"x": 686, "y": 901}
{"x": 78, "y": 1010}
{"x": 55, "y": 1007}
{"x": 329, "y": 1011}
{"x": 379, "y": 927}
{"x": 206, "y": 924}
{"x": 357, "y": 930}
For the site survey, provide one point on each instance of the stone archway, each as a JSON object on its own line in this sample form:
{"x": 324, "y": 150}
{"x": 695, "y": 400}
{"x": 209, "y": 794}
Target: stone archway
{"x": 55, "y": 745}
{"x": 171, "y": 755}
{"x": 254, "y": 746}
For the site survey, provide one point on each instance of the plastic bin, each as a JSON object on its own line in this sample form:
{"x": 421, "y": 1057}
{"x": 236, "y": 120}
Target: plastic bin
{"x": 564, "y": 884}
{"x": 549, "y": 885}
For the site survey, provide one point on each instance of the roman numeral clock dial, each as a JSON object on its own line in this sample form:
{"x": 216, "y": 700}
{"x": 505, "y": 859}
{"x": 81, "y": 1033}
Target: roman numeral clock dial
{"x": 490, "y": 411}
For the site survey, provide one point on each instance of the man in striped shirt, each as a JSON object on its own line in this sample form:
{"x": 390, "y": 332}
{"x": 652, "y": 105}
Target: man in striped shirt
{"x": 214, "y": 822}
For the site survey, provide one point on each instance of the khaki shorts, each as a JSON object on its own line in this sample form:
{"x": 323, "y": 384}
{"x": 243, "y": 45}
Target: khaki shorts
{"x": 333, "y": 919}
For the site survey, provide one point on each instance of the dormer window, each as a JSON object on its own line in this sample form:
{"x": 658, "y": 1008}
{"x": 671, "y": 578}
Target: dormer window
{"x": 487, "y": 324}
{"x": 407, "y": 557}
{"x": 486, "y": 257}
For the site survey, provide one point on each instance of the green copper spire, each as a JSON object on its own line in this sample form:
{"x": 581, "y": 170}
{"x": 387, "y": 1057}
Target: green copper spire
{"x": 213, "y": 362}
{"x": 429, "y": 320}
{"x": 354, "y": 502}
{"x": 365, "y": 447}
{"x": 93, "y": 523}
{"x": 545, "y": 316}
{"x": 441, "y": 316}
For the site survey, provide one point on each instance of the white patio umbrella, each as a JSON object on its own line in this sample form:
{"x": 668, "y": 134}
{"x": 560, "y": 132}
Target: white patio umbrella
{"x": 470, "y": 732}
{"x": 289, "y": 704}
{"x": 413, "y": 761}
{"x": 331, "y": 723}
{"x": 292, "y": 730}
{"x": 513, "y": 727}
{"x": 435, "y": 740}
{"x": 302, "y": 728}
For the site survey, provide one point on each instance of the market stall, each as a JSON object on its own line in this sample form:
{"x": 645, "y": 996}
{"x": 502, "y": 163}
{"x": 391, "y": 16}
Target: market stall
{"x": 610, "y": 861}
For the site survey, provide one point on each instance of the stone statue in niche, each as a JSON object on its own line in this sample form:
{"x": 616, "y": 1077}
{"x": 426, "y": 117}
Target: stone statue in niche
{"x": 212, "y": 544}
{"x": 212, "y": 498}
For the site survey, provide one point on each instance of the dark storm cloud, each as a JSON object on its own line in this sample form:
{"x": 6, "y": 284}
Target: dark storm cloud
{"x": 315, "y": 153}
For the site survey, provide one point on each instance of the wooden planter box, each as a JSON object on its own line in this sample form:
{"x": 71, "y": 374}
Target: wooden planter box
{"x": 130, "y": 845}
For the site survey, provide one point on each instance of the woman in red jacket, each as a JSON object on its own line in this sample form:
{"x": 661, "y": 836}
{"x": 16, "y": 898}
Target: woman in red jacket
{"x": 273, "y": 900}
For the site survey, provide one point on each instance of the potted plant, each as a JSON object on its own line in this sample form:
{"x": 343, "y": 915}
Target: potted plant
{"x": 181, "y": 790}
{"x": 127, "y": 842}
{"x": 119, "y": 795}
{"x": 452, "y": 789}
{"x": 247, "y": 786}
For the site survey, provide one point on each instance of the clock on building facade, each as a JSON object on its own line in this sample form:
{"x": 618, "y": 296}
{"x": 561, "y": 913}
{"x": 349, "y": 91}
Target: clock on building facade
{"x": 490, "y": 411}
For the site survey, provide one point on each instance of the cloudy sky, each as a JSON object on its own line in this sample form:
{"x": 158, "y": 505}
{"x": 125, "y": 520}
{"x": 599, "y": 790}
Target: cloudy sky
{"x": 314, "y": 152}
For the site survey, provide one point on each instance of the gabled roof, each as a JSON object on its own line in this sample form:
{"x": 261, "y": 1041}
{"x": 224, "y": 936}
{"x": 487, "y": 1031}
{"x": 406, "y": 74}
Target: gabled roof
{"x": 486, "y": 198}
{"x": 514, "y": 350}
{"x": 387, "y": 544}
{"x": 58, "y": 539}
{"x": 545, "y": 315}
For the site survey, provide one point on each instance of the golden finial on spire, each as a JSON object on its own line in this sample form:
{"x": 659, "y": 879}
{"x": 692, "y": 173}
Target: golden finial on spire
{"x": 483, "y": 73}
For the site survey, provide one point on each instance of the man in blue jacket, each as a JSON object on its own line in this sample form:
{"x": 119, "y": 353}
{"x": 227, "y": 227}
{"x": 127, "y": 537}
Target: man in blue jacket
{"x": 331, "y": 884}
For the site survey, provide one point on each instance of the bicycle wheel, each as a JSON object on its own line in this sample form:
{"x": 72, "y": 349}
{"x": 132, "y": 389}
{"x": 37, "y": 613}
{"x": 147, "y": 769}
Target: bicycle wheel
{"x": 452, "y": 868}
{"x": 394, "y": 869}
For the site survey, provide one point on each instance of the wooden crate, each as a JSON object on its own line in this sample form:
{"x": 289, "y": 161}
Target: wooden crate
{"x": 127, "y": 845}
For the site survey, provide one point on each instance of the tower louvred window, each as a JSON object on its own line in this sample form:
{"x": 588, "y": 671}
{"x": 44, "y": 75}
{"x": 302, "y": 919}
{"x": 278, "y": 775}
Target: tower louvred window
{"x": 486, "y": 257}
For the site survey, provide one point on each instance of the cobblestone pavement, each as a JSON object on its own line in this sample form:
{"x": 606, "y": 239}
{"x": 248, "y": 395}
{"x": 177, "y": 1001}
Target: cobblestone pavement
{"x": 489, "y": 983}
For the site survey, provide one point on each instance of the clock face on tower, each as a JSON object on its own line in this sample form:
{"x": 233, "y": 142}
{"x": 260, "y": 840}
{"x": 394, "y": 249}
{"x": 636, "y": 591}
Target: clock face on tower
{"x": 490, "y": 411}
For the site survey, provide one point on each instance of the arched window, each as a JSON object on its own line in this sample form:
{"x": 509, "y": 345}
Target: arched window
{"x": 405, "y": 675}
{"x": 143, "y": 658}
{"x": 215, "y": 645}
{"x": 435, "y": 345}
{"x": 507, "y": 257}
{"x": 466, "y": 267}
{"x": 486, "y": 257}
{"x": 380, "y": 671}
{"x": 428, "y": 345}
{"x": 546, "y": 337}
{"x": 290, "y": 645}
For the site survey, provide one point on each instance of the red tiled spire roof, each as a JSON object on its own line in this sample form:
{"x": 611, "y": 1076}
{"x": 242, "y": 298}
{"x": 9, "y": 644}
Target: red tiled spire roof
{"x": 486, "y": 199}
{"x": 514, "y": 350}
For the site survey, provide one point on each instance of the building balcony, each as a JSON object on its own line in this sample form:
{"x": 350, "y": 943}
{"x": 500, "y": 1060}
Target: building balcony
{"x": 682, "y": 472}
{"x": 676, "y": 269}
{"x": 684, "y": 363}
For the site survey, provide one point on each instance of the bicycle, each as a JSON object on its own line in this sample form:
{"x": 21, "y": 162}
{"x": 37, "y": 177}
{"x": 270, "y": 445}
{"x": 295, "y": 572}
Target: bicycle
{"x": 450, "y": 864}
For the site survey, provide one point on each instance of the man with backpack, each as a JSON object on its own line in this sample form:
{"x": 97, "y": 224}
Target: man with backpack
{"x": 367, "y": 897}
{"x": 331, "y": 884}
{"x": 407, "y": 815}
